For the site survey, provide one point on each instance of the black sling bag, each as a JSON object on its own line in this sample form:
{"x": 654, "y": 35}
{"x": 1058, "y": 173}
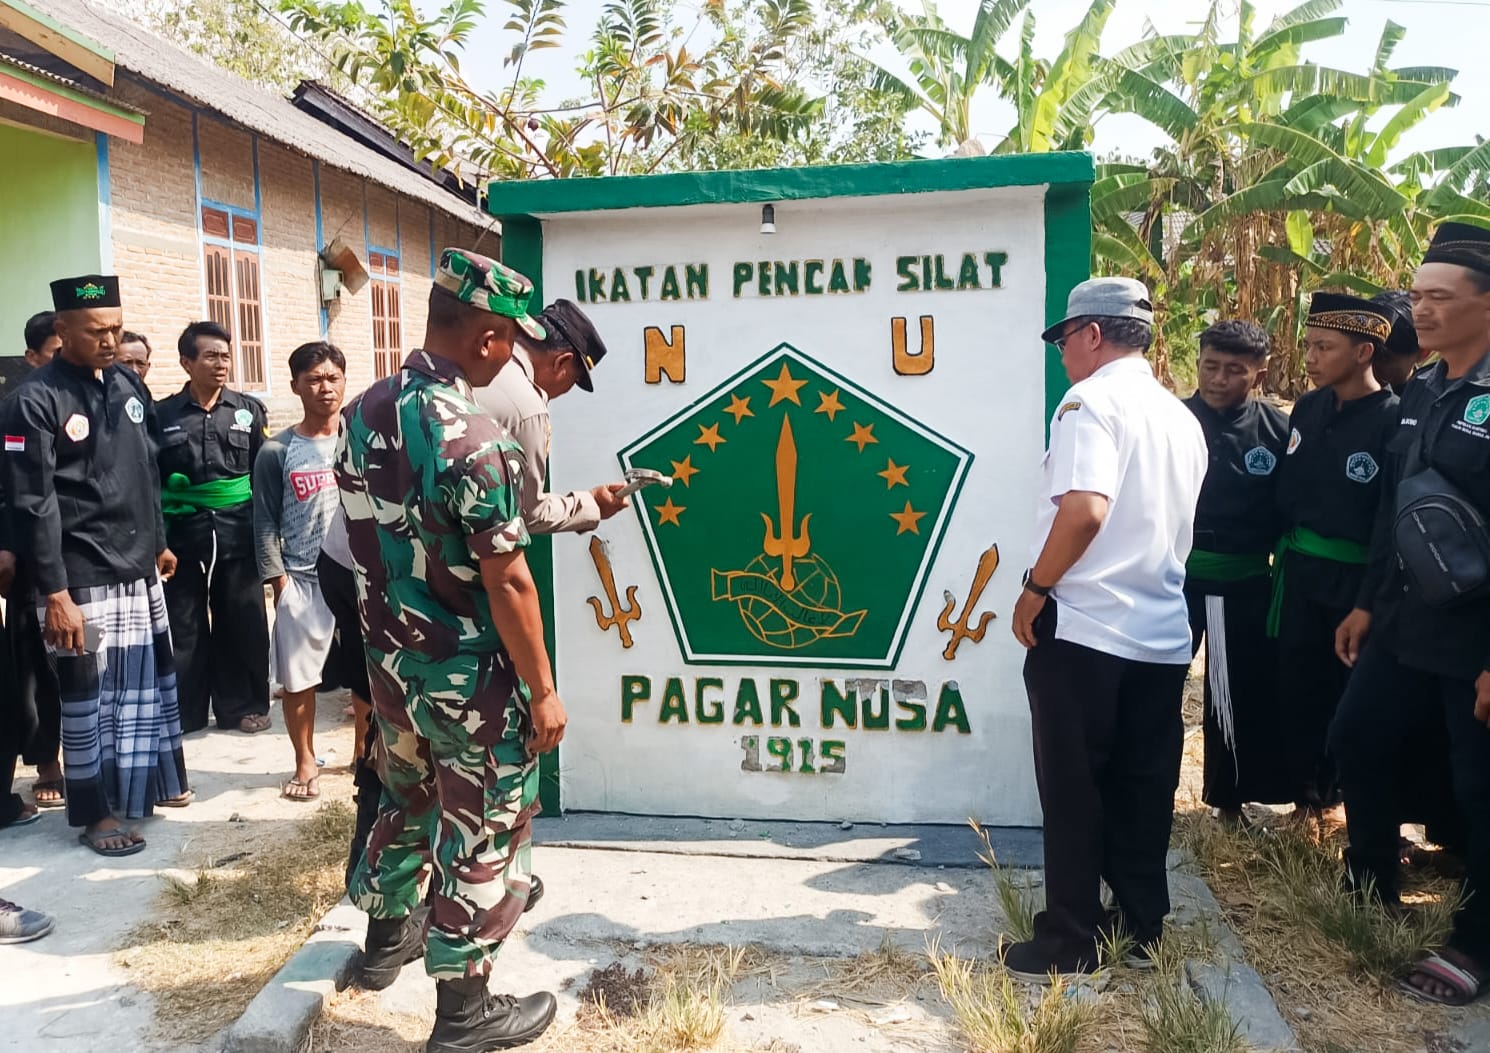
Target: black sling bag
{"x": 1443, "y": 540}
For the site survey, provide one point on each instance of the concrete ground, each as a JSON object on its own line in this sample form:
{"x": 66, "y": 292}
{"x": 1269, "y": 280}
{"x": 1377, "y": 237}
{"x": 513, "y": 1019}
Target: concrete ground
{"x": 65, "y": 992}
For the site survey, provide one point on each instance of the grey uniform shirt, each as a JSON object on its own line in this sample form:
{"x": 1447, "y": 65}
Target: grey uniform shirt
{"x": 521, "y": 407}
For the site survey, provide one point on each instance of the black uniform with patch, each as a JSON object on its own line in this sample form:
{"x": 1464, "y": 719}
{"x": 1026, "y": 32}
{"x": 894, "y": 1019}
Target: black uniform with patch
{"x": 1418, "y": 656}
{"x": 1331, "y": 481}
{"x": 98, "y": 523}
{"x": 1238, "y": 515}
{"x": 33, "y": 703}
{"x": 216, "y": 600}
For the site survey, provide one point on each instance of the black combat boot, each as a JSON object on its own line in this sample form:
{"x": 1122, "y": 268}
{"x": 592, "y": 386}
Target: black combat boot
{"x": 392, "y": 943}
{"x": 535, "y": 892}
{"x": 470, "y": 1019}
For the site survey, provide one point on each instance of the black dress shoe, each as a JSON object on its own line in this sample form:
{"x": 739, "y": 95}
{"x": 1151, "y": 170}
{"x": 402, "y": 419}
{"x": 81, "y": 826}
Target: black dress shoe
{"x": 391, "y": 944}
{"x": 470, "y": 1019}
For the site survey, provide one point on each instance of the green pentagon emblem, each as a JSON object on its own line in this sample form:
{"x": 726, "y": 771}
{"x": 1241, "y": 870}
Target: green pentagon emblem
{"x": 804, "y": 516}
{"x": 91, "y": 291}
{"x": 1477, "y": 410}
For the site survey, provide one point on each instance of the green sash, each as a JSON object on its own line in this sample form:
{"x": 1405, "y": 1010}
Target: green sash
{"x": 181, "y": 497}
{"x": 1306, "y": 541}
{"x": 1225, "y": 566}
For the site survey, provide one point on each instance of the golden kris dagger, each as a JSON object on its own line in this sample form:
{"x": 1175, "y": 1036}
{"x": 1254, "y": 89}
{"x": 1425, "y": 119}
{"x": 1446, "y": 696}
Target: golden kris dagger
{"x": 788, "y": 545}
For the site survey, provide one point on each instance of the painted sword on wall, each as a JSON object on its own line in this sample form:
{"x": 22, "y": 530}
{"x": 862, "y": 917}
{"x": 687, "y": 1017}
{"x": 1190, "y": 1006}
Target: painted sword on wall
{"x": 962, "y": 629}
{"x": 622, "y": 615}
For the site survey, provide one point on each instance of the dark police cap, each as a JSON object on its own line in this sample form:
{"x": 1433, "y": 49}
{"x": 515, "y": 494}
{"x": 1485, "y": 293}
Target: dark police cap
{"x": 1460, "y": 243}
{"x": 1349, "y": 314}
{"x": 569, "y": 327}
{"x": 85, "y": 293}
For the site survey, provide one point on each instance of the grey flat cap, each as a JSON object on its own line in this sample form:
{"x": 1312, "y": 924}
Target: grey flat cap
{"x": 1107, "y": 297}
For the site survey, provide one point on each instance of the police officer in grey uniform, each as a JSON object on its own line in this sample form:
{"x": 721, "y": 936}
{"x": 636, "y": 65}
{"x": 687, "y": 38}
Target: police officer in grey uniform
{"x": 518, "y": 399}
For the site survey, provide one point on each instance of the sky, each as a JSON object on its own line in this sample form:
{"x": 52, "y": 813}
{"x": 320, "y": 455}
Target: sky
{"x": 1453, "y": 33}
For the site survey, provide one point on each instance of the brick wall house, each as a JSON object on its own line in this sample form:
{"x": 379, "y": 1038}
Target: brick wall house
{"x": 216, "y": 200}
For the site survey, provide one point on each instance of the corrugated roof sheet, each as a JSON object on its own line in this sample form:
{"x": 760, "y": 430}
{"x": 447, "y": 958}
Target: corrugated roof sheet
{"x": 151, "y": 58}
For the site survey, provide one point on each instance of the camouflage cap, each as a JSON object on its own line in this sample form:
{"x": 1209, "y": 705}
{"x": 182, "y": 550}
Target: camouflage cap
{"x": 486, "y": 284}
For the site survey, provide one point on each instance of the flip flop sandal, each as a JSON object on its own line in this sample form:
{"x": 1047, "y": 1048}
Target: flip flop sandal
{"x": 253, "y": 725}
{"x": 178, "y": 802}
{"x": 311, "y": 784}
{"x": 1465, "y": 984}
{"x": 24, "y": 820}
{"x": 56, "y": 786}
{"x": 93, "y": 841}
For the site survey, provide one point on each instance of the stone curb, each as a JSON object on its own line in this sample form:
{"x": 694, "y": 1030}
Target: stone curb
{"x": 280, "y": 1017}
{"x": 1230, "y": 981}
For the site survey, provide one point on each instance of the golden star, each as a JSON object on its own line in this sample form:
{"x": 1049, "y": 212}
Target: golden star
{"x": 829, "y": 404}
{"x": 785, "y": 387}
{"x": 684, "y": 470}
{"x": 739, "y": 408}
{"x": 709, "y": 437}
{"x": 909, "y": 520}
{"x": 667, "y": 512}
{"x": 894, "y": 474}
{"x": 863, "y": 435}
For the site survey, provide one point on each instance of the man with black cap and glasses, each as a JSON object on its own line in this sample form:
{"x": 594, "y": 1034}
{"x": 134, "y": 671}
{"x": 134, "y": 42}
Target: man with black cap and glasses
{"x": 1103, "y": 615}
{"x": 518, "y": 399}
{"x": 1420, "y": 633}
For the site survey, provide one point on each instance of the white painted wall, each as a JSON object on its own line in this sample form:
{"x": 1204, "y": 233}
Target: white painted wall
{"x": 986, "y": 393}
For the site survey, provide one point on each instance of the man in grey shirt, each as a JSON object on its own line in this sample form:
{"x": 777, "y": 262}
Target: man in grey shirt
{"x": 518, "y": 399}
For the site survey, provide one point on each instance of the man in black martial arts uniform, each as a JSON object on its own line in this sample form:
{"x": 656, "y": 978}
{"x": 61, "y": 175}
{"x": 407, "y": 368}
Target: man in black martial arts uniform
{"x": 209, "y": 437}
{"x": 1409, "y": 653}
{"x": 1329, "y": 484}
{"x": 1227, "y": 583}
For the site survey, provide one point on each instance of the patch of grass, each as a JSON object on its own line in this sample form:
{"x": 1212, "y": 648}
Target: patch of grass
{"x": 1018, "y": 899}
{"x": 679, "y": 1016}
{"x": 1176, "y": 1019}
{"x": 1377, "y": 943}
{"x": 216, "y": 940}
{"x": 995, "y": 1015}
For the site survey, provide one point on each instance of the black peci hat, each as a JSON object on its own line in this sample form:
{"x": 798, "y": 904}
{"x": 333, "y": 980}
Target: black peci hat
{"x": 1349, "y": 314}
{"x": 1460, "y": 243}
{"x": 569, "y": 327}
{"x": 85, "y": 293}
{"x": 1395, "y": 304}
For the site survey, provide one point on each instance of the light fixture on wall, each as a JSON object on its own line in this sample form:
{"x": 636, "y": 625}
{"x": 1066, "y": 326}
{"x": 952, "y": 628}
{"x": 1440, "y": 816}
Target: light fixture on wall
{"x": 768, "y": 219}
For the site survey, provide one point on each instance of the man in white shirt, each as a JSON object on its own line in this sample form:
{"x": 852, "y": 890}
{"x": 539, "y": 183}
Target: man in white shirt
{"x": 1103, "y": 615}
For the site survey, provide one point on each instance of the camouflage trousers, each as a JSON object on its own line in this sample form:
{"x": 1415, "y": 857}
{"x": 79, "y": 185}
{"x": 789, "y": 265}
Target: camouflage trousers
{"x": 459, "y": 796}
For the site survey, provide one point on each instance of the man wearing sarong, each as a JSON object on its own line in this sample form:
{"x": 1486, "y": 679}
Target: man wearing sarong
{"x": 1328, "y": 488}
{"x": 462, "y": 690}
{"x": 209, "y": 436}
{"x": 1227, "y": 583}
{"x": 79, "y": 463}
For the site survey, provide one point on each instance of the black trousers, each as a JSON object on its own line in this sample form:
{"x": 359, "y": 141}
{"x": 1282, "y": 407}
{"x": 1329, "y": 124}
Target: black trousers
{"x": 1108, "y": 736}
{"x": 220, "y": 634}
{"x": 37, "y": 705}
{"x": 1244, "y": 726}
{"x": 1380, "y": 712}
{"x": 1311, "y": 681}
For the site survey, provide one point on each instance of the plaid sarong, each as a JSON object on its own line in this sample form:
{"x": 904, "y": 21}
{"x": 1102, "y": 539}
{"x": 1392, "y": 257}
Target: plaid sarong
{"x": 121, "y": 726}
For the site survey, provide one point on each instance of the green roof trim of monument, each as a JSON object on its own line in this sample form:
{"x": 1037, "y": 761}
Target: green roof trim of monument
{"x": 537, "y": 197}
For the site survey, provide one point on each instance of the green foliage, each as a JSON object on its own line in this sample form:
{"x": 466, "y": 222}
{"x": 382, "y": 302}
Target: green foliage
{"x": 750, "y": 82}
{"x": 238, "y": 35}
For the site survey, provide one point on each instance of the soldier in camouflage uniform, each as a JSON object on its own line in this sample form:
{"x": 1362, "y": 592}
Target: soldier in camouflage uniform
{"x": 462, "y": 690}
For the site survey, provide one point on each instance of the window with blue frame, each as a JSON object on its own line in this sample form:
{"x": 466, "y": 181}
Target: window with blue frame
{"x": 388, "y": 337}
{"x": 230, "y": 266}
